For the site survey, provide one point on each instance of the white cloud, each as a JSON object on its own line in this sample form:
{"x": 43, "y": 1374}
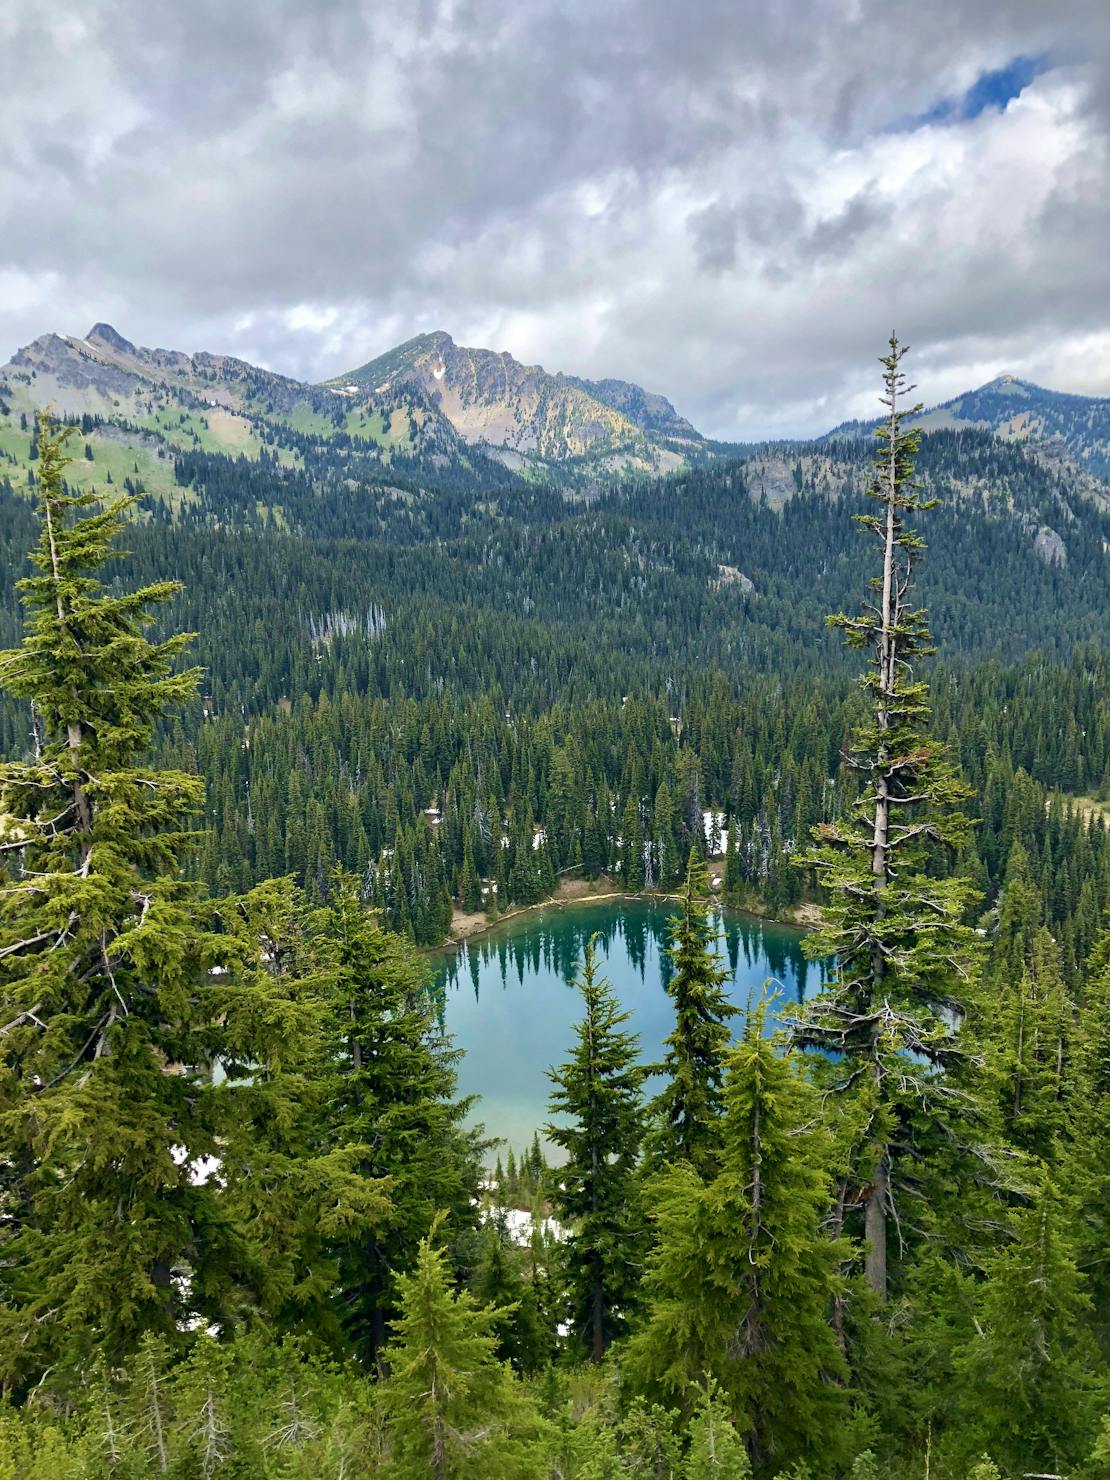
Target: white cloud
{"x": 711, "y": 200}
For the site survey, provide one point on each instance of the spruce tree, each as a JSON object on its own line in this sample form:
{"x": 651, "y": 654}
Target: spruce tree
{"x": 686, "y": 1110}
{"x": 470, "y": 890}
{"x": 893, "y": 911}
{"x": 499, "y": 1286}
{"x": 298, "y": 1184}
{"x": 596, "y": 1196}
{"x": 103, "y": 1032}
{"x": 740, "y": 1282}
{"x": 1028, "y": 1038}
{"x": 733, "y": 880}
{"x": 1086, "y": 1164}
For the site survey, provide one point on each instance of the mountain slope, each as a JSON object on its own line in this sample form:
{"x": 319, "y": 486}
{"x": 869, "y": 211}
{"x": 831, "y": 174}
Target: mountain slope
{"x": 525, "y": 414}
{"x": 139, "y": 409}
{"x": 1078, "y": 426}
{"x": 1047, "y": 495}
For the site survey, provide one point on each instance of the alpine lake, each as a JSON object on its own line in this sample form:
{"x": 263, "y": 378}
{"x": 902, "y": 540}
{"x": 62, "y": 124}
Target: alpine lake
{"x": 510, "y": 1004}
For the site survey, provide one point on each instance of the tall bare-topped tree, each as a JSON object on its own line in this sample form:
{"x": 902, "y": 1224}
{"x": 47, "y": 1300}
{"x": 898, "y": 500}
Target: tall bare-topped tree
{"x": 893, "y": 915}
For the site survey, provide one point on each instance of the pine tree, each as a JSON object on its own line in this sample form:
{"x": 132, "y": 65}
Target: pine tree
{"x": 203, "y": 1424}
{"x": 1087, "y": 1166}
{"x": 686, "y": 1110}
{"x": 598, "y": 1091}
{"x": 1026, "y": 1052}
{"x": 740, "y": 1282}
{"x": 893, "y": 918}
{"x": 100, "y": 961}
{"x": 667, "y": 857}
{"x": 499, "y": 1286}
{"x": 632, "y": 846}
{"x": 470, "y": 890}
{"x": 453, "y": 1410}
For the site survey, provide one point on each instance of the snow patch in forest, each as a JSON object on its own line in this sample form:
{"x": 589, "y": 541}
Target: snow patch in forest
{"x": 520, "y": 1224}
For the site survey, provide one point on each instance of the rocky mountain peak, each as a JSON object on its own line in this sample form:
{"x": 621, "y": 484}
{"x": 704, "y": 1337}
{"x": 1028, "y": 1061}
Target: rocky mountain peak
{"x": 109, "y": 338}
{"x": 522, "y": 411}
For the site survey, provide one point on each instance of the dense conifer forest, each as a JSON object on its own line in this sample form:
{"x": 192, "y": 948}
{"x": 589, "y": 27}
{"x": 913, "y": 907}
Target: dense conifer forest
{"x": 245, "y": 1227}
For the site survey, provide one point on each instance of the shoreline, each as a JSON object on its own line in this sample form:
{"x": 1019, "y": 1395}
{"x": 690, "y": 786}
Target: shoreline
{"x": 466, "y": 927}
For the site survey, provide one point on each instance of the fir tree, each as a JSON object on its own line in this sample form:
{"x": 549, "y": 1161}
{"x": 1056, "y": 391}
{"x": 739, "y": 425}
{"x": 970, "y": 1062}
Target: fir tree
{"x": 733, "y": 880}
{"x": 1028, "y": 1391}
{"x": 296, "y": 1188}
{"x": 499, "y": 1286}
{"x": 686, "y": 1111}
{"x": 470, "y": 890}
{"x": 740, "y": 1282}
{"x": 454, "y": 1410}
{"x": 395, "y": 1095}
{"x": 1026, "y": 1051}
{"x": 893, "y": 918}
{"x": 598, "y": 1091}
{"x": 203, "y": 1423}
{"x": 100, "y": 962}
{"x": 1087, "y": 1166}
{"x": 717, "y": 1452}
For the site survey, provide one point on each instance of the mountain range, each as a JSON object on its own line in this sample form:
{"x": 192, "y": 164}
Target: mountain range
{"x": 431, "y": 413}
{"x": 428, "y": 404}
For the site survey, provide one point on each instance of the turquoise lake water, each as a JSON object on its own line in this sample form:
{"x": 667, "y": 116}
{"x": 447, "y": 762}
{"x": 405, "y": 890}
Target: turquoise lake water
{"x": 510, "y": 1007}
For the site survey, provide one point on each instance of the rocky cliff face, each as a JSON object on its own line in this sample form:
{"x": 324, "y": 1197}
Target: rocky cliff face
{"x": 524, "y": 412}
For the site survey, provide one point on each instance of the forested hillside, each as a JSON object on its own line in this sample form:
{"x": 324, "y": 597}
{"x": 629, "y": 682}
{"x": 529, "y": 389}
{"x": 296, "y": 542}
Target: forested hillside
{"x": 413, "y": 699}
{"x": 462, "y": 694}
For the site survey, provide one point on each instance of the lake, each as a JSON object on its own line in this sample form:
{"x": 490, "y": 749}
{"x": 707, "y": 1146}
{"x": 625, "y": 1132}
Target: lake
{"x": 510, "y": 1007}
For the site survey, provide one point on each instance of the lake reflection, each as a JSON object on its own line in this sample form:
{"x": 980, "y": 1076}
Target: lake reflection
{"x": 508, "y": 1003}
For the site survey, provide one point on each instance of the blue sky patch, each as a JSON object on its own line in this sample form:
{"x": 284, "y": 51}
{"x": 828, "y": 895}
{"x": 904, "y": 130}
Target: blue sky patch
{"x": 990, "y": 90}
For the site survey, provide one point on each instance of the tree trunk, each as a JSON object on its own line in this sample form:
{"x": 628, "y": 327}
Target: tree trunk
{"x": 875, "y": 1215}
{"x": 597, "y": 1318}
{"x": 875, "y": 1231}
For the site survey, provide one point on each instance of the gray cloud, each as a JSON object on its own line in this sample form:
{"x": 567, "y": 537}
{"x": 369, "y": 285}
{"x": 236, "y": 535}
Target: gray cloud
{"x": 711, "y": 199}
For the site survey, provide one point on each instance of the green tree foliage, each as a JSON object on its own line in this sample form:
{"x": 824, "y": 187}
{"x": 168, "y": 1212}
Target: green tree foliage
{"x": 1086, "y": 1166}
{"x": 392, "y": 1093}
{"x": 597, "y": 1092}
{"x": 687, "y": 1109}
{"x": 894, "y": 923}
{"x": 742, "y": 1275}
{"x": 1028, "y": 1043}
{"x": 100, "y": 963}
{"x": 297, "y": 1182}
{"x": 717, "y": 1451}
{"x": 1028, "y": 1391}
{"x": 499, "y": 1285}
{"x": 454, "y": 1409}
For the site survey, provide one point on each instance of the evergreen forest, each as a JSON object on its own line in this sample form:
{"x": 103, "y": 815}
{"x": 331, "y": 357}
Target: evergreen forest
{"x": 269, "y": 742}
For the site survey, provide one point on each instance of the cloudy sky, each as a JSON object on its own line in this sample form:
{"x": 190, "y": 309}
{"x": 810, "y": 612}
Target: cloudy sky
{"x": 731, "y": 201}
